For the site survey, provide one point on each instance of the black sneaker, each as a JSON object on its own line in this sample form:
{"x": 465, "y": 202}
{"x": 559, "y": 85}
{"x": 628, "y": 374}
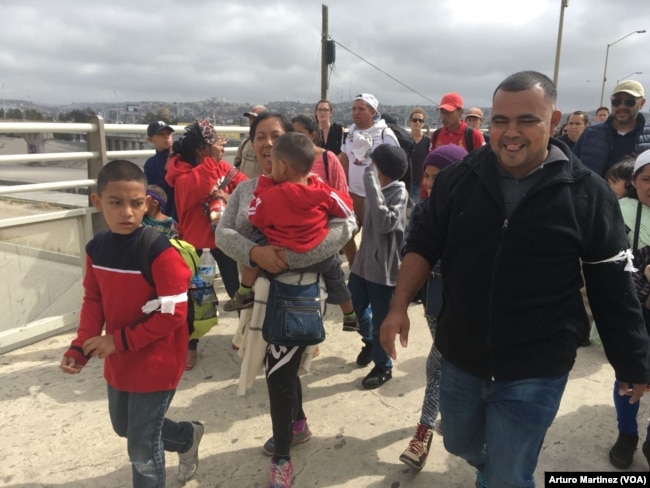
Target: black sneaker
{"x": 350, "y": 324}
{"x": 365, "y": 356}
{"x": 376, "y": 378}
{"x": 621, "y": 454}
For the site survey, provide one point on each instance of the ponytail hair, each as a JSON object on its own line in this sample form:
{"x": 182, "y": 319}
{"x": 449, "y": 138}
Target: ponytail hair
{"x": 196, "y": 135}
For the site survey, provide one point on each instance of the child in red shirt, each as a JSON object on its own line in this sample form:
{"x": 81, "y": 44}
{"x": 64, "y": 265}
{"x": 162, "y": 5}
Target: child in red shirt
{"x": 145, "y": 340}
{"x": 291, "y": 210}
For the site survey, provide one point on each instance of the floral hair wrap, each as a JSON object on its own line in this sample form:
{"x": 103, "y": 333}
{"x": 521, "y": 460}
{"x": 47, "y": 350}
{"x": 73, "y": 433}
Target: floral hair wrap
{"x": 207, "y": 131}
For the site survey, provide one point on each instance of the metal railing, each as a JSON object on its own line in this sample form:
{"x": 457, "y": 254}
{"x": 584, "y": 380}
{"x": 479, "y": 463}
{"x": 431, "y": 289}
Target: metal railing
{"x": 87, "y": 220}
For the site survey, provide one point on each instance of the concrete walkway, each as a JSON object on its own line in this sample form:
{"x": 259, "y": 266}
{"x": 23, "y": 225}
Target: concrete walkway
{"x": 56, "y": 431}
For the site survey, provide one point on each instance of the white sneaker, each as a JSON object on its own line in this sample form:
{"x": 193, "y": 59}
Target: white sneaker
{"x": 188, "y": 461}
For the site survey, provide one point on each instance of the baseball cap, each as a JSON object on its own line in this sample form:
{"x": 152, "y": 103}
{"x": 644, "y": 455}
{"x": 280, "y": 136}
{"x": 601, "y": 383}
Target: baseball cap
{"x": 641, "y": 160}
{"x": 156, "y": 127}
{"x": 368, "y": 98}
{"x": 474, "y": 112}
{"x": 253, "y": 112}
{"x": 451, "y": 102}
{"x": 632, "y": 87}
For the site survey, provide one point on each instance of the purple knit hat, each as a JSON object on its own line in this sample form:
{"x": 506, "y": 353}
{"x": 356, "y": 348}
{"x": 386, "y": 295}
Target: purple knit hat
{"x": 446, "y": 155}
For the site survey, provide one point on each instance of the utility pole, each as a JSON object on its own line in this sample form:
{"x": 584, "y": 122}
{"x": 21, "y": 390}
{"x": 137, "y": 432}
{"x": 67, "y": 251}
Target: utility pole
{"x": 323, "y": 50}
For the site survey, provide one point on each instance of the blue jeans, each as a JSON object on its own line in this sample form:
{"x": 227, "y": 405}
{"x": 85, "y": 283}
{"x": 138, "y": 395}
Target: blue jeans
{"x": 140, "y": 417}
{"x": 498, "y": 426}
{"x": 626, "y": 414}
{"x": 370, "y": 302}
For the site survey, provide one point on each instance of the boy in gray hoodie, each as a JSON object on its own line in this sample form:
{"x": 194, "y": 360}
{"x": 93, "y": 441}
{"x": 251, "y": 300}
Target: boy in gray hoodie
{"x": 375, "y": 267}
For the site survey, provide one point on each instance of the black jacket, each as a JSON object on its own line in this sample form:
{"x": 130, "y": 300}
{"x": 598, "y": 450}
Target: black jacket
{"x": 512, "y": 307}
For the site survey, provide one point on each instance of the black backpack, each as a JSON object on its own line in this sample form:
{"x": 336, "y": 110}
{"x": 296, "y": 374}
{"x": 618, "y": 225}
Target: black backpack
{"x": 469, "y": 138}
{"x": 404, "y": 139}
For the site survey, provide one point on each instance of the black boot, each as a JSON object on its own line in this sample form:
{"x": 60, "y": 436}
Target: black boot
{"x": 622, "y": 452}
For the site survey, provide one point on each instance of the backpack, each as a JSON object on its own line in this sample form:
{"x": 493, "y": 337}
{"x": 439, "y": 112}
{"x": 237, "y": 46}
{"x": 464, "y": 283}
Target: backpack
{"x": 201, "y": 314}
{"x": 469, "y": 138}
{"x": 404, "y": 139}
{"x": 326, "y": 165}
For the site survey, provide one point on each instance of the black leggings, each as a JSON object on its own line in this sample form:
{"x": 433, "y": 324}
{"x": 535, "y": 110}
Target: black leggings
{"x": 285, "y": 394}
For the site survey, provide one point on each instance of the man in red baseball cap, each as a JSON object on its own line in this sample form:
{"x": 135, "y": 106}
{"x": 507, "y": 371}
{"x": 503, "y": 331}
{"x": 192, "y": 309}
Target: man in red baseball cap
{"x": 454, "y": 129}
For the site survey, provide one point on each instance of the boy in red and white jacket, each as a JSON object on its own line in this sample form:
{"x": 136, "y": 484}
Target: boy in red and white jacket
{"x": 144, "y": 340}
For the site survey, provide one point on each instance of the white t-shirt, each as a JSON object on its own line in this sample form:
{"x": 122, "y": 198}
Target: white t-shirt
{"x": 359, "y": 143}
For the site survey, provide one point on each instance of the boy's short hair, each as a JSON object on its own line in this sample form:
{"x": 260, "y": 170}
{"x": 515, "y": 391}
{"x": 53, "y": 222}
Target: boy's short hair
{"x": 158, "y": 193}
{"x": 418, "y": 110}
{"x": 119, "y": 170}
{"x": 295, "y": 149}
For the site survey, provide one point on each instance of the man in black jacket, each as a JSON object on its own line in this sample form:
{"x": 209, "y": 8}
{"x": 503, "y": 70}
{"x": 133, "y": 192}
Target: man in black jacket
{"x": 512, "y": 223}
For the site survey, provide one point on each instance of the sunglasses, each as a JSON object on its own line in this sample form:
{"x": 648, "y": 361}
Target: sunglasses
{"x": 417, "y": 121}
{"x": 628, "y": 102}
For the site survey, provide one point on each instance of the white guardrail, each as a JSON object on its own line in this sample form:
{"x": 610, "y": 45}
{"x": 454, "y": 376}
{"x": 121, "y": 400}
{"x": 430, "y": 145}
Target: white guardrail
{"x": 88, "y": 222}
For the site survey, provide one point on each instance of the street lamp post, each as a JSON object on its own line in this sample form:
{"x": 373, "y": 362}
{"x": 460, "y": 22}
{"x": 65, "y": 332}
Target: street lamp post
{"x": 602, "y": 91}
{"x": 627, "y": 76}
{"x": 565, "y": 4}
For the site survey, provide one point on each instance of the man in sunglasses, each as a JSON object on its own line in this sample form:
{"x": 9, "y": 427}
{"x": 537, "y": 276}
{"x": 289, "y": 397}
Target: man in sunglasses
{"x": 626, "y": 130}
{"x": 417, "y": 121}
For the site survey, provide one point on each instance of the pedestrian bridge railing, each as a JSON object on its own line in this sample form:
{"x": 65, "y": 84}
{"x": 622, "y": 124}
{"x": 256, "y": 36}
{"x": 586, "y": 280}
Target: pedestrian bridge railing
{"x": 21, "y": 328}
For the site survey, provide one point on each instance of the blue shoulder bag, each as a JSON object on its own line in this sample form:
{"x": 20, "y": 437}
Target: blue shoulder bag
{"x": 293, "y": 314}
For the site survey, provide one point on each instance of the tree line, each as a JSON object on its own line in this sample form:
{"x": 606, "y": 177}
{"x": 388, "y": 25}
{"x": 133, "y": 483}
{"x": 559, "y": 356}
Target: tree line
{"x": 78, "y": 116}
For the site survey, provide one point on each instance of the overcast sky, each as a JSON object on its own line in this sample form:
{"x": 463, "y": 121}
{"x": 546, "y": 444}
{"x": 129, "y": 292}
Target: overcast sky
{"x": 255, "y": 51}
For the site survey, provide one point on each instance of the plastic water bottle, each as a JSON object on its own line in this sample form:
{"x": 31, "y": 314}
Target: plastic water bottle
{"x": 207, "y": 266}
{"x": 206, "y": 272}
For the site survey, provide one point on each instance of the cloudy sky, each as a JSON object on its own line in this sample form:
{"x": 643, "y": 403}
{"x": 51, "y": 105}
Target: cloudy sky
{"x": 259, "y": 51}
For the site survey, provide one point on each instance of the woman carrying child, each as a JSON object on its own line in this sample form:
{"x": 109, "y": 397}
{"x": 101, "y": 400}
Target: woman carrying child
{"x": 282, "y": 363}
